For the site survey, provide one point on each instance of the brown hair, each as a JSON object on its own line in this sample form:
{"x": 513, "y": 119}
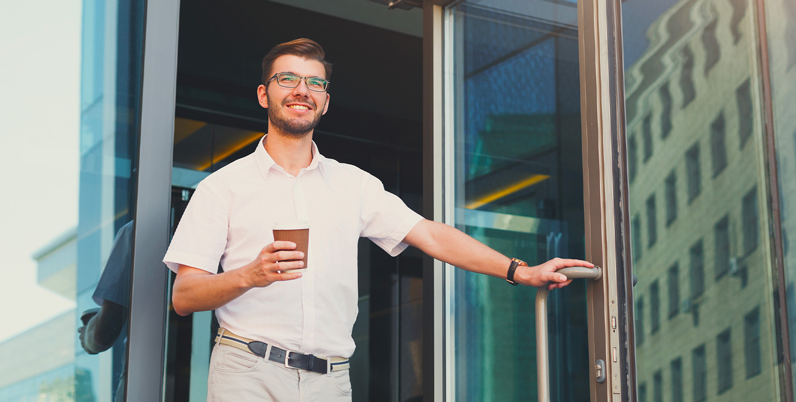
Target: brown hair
{"x": 306, "y": 48}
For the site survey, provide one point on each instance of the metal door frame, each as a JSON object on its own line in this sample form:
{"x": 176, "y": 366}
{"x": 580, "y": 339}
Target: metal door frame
{"x": 611, "y": 330}
{"x": 146, "y": 340}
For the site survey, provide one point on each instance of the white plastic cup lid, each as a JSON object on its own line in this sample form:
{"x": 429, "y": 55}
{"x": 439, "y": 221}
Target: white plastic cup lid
{"x": 291, "y": 225}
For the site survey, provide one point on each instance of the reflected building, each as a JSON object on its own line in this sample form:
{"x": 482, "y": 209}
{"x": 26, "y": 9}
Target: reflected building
{"x": 699, "y": 215}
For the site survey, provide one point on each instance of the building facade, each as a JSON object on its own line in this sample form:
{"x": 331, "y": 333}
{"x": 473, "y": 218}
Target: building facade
{"x": 654, "y": 138}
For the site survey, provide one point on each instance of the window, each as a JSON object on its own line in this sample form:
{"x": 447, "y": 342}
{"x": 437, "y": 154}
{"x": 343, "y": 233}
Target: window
{"x": 671, "y": 198}
{"x": 722, "y": 232}
{"x": 724, "y": 360}
{"x": 652, "y": 226}
{"x": 697, "y": 270}
{"x": 657, "y": 386}
{"x": 700, "y": 373}
{"x": 677, "y": 380}
{"x": 655, "y": 307}
{"x": 646, "y": 131}
{"x": 743, "y": 98}
{"x": 636, "y": 236}
{"x": 673, "y": 279}
{"x": 693, "y": 171}
{"x": 750, "y": 224}
{"x": 632, "y": 158}
{"x": 738, "y": 11}
{"x": 639, "y": 321}
{"x": 666, "y": 113}
{"x": 686, "y": 76}
{"x": 718, "y": 149}
{"x": 751, "y": 348}
{"x": 712, "y": 49}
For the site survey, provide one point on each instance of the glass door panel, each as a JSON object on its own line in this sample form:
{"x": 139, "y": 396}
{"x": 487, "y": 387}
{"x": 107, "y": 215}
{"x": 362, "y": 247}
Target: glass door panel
{"x": 513, "y": 100}
{"x": 706, "y": 315}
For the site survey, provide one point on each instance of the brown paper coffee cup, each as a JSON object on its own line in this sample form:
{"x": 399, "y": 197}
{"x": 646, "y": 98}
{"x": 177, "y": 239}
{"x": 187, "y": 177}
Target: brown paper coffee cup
{"x": 297, "y": 232}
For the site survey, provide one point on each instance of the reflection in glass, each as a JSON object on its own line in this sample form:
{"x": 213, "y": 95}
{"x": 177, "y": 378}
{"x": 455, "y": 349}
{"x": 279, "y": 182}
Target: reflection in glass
{"x": 518, "y": 186}
{"x": 691, "y": 70}
{"x": 73, "y": 231}
{"x": 781, "y": 27}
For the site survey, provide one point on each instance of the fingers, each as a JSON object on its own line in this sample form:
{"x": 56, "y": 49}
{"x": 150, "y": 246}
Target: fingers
{"x": 566, "y": 263}
{"x": 279, "y": 245}
{"x": 286, "y": 256}
{"x": 559, "y": 285}
{"x": 282, "y": 266}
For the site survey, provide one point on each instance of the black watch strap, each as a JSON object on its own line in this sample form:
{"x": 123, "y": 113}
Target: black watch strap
{"x": 512, "y": 268}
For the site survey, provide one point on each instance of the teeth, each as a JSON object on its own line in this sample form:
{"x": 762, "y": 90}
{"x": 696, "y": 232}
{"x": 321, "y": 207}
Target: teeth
{"x": 299, "y": 107}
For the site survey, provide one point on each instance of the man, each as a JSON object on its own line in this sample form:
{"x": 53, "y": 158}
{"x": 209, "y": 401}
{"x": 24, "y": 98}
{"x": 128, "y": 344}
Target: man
{"x": 287, "y": 336}
{"x": 112, "y": 294}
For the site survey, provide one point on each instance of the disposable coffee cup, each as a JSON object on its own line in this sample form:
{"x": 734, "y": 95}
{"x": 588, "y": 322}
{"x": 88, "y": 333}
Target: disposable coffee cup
{"x": 297, "y": 232}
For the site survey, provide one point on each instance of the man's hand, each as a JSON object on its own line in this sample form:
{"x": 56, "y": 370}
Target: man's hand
{"x": 543, "y": 274}
{"x": 83, "y": 343}
{"x": 198, "y": 290}
{"x": 270, "y": 264}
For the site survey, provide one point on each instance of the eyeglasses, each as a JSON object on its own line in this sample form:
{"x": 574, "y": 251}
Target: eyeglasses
{"x": 289, "y": 80}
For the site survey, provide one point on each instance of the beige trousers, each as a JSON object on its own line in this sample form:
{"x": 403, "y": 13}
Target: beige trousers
{"x": 237, "y": 376}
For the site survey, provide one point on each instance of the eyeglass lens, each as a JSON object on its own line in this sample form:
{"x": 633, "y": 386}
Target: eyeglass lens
{"x": 292, "y": 81}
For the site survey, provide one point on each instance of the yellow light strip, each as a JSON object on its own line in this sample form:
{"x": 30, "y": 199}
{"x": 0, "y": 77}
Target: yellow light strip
{"x": 235, "y": 148}
{"x": 530, "y": 181}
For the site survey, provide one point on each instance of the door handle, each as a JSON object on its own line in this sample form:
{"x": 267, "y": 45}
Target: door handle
{"x": 542, "y": 357}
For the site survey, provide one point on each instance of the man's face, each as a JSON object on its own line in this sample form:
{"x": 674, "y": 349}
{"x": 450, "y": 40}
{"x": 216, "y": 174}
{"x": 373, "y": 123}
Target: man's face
{"x": 294, "y": 111}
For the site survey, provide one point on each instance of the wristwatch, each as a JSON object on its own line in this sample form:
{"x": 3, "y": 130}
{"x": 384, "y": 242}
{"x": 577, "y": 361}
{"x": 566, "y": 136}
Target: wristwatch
{"x": 513, "y": 267}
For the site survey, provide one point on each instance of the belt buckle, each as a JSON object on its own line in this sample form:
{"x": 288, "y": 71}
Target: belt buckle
{"x": 287, "y": 357}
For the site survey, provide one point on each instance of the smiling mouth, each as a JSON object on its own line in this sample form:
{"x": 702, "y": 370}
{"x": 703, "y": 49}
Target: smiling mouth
{"x": 298, "y": 107}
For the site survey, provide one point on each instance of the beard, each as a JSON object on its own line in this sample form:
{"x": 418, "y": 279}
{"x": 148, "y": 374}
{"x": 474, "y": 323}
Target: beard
{"x": 296, "y": 127}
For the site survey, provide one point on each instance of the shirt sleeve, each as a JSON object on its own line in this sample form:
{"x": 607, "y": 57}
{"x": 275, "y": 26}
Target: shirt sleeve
{"x": 114, "y": 284}
{"x": 201, "y": 235}
{"x": 386, "y": 220}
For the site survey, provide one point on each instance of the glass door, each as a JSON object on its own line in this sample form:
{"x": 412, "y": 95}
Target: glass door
{"x": 512, "y": 142}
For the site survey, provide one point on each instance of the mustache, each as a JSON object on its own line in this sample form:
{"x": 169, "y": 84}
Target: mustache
{"x": 300, "y": 100}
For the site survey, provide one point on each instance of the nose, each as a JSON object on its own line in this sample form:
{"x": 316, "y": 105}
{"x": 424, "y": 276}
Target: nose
{"x": 302, "y": 88}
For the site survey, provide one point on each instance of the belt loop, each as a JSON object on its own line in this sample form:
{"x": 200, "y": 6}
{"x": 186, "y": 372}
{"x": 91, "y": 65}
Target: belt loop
{"x": 328, "y": 366}
{"x": 220, "y": 335}
{"x": 267, "y": 352}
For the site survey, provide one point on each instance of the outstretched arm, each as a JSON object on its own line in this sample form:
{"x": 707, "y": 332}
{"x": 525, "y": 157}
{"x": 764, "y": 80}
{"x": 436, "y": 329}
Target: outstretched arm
{"x": 458, "y": 249}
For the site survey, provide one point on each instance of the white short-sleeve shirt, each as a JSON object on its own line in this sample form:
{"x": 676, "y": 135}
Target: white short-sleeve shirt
{"x": 230, "y": 218}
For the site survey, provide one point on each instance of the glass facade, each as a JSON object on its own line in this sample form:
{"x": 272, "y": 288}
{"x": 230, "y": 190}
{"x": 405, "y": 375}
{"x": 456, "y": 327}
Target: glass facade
{"x": 65, "y": 331}
{"x": 694, "y": 98}
{"x": 518, "y": 188}
{"x": 702, "y": 223}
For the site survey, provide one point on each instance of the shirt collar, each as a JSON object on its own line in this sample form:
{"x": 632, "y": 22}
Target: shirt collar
{"x": 265, "y": 163}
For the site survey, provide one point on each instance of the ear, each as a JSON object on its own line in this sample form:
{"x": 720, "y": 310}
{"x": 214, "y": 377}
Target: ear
{"x": 326, "y": 106}
{"x": 262, "y": 96}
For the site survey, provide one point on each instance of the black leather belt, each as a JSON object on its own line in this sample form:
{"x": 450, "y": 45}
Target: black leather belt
{"x": 288, "y": 358}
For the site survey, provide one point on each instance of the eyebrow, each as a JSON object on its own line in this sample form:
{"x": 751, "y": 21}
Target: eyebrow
{"x": 311, "y": 76}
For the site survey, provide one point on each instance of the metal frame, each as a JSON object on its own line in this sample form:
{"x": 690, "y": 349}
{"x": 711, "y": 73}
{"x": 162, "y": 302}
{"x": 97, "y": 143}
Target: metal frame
{"x": 605, "y": 178}
{"x": 605, "y": 197}
{"x": 146, "y": 340}
{"x": 433, "y": 276}
{"x": 786, "y": 374}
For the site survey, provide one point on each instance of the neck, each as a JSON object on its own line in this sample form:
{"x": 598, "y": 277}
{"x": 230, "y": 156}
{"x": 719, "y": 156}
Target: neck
{"x": 291, "y": 153}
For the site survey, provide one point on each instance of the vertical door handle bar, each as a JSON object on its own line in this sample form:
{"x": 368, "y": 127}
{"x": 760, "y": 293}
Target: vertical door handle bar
{"x": 542, "y": 358}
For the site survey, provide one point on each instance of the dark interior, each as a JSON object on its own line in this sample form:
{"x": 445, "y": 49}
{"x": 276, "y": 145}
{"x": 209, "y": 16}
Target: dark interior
{"x": 374, "y": 122}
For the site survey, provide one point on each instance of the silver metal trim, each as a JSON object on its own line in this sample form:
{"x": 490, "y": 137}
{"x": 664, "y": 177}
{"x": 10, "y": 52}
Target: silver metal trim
{"x": 146, "y": 341}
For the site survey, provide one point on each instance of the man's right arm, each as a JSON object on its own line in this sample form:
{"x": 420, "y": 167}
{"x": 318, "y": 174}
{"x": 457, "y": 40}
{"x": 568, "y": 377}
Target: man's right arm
{"x": 198, "y": 290}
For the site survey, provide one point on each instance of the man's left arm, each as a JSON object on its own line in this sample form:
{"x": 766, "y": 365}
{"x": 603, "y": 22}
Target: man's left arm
{"x": 450, "y": 245}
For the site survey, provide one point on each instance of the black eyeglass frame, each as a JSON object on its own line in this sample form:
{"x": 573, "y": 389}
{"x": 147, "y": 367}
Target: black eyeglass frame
{"x": 325, "y": 81}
